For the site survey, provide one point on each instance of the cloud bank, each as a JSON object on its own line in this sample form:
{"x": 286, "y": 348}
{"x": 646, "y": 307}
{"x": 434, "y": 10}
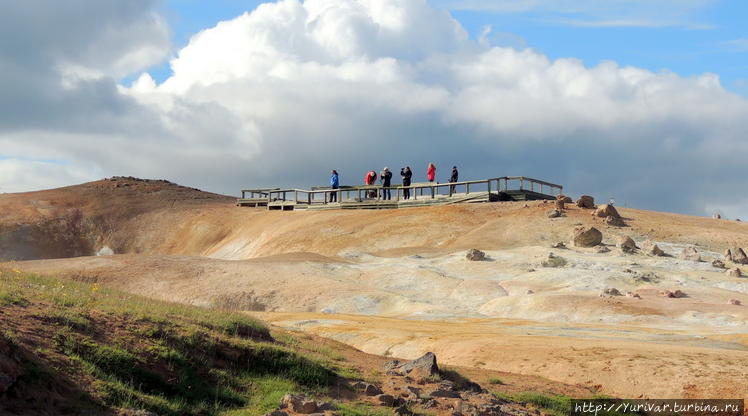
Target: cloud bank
{"x": 283, "y": 94}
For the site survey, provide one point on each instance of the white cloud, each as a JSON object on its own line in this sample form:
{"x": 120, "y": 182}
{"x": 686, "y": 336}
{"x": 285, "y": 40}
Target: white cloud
{"x": 738, "y": 45}
{"x": 281, "y": 95}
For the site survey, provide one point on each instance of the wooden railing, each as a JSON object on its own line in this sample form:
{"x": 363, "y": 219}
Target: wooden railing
{"x": 416, "y": 191}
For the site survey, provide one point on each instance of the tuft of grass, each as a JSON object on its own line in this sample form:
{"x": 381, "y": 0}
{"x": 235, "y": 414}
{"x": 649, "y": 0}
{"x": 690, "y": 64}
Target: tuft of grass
{"x": 361, "y": 409}
{"x": 11, "y": 298}
{"x": 495, "y": 380}
{"x": 73, "y": 318}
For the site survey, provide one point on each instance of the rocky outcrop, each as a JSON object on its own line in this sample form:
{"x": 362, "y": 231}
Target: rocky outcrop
{"x": 423, "y": 367}
{"x": 718, "y": 264}
{"x": 651, "y": 249}
{"x": 611, "y": 291}
{"x": 475, "y": 255}
{"x": 674, "y": 294}
{"x": 586, "y": 237}
{"x": 736, "y": 255}
{"x": 586, "y": 201}
{"x": 560, "y": 205}
{"x": 606, "y": 210}
{"x": 563, "y": 198}
{"x": 626, "y": 244}
{"x": 691, "y": 254}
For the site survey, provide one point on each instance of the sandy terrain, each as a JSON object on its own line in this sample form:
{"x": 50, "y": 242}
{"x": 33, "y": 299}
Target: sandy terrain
{"x": 397, "y": 282}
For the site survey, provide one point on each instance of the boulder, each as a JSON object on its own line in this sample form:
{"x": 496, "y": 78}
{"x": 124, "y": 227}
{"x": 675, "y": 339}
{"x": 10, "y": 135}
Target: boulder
{"x": 676, "y": 294}
{"x": 475, "y": 255}
{"x": 615, "y": 221}
{"x": 402, "y": 411}
{"x": 735, "y": 272}
{"x": 560, "y": 205}
{"x": 650, "y": 248}
{"x": 372, "y": 390}
{"x": 586, "y": 237}
{"x": 719, "y": 264}
{"x": 554, "y": 213}
{"x": 633, "y": 295}
{"x": 690, "y": 253}
{"x": 291, "y": 401}
{"x": 559, "y": 245}
{"x": 553, "y": 261}
{"x": 611, "y": 291}
{"x": 736, "y": 255}
{"x": 586, "y": 201}
{"x": 607, "y": 210}
{"x": 626, "y": 244}
{"x": 563, "y": 198}
{"x": 734, "y": 302}
{"x": 423, "y": 367}
{"x": 385, "y": 399}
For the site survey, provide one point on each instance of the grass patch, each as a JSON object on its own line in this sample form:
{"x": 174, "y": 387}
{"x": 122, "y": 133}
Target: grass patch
{"x": 361, "y": 409}
{"x": 10, "y": 298}
{"x": 495, "y": 381}
{"x": 553, "y": 405}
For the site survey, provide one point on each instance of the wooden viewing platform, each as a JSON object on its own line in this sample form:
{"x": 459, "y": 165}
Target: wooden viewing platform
{"x": 507, "y": 188}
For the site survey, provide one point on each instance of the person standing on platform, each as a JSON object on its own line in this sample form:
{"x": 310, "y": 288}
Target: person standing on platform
{"x": 334, "y": 184}
{"x": 386, "y": 178}
{"x": 371, "y": 179}
{"x": 431, "y": 172}
{"x": 455, "y": 176}
{"x": 406, "y": 173}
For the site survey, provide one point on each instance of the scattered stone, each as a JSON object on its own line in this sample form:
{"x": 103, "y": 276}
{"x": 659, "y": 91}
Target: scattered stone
{"x": 554, "y": 213}
{"x": 615, "y": 221}
{"x": 691, "y": 254}
{"x": 735, "y": 272}
{"x": 716, "y": 216}
{"x": 719, "y": 264}
{"x": 553, "y": 261}
{"x": 307, "y": 407}
{"x": 586, "y": 237}
{"x": 529, "y": 292}
{"x": 602, "y": 249}
{"x": 291, "y": 401}
{"x": 475, "y": 255}
{"x": 648, "y": 277}
{"x": 372, "y": 390}
{"x": 626, "y": 244}
{"x": 606, "y": 210}
{"x": 423, "y": 367}
{"x": 450, "y": 394}
{"x": 586, "y": 201}
{"x": 611, "y": 291}
{"x": 560, "y": 205}
{"x": 559, "y": 245}
{"x": 563, "y": 198}
{"x": 736, "y": 255}
{"x": 650, "y": 248}
{"x": 734, "y": 302}
{"x": 677, "y": 294}
{"x": 633, "y": 295}
{"x": 385, "y": 400}
{"x": 402, "y": 411}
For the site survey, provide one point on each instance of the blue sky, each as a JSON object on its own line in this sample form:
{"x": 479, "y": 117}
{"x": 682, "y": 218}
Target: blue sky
{"x": 688, "y": 37}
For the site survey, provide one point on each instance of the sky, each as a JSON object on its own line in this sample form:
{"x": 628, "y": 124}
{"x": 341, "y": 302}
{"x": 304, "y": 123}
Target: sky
{"x": 644, "y": 101}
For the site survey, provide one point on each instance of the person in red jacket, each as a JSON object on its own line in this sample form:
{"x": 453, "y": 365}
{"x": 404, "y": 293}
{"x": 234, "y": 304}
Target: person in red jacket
{"x": 369, "y": 180}
{"x": 431, "y": 172}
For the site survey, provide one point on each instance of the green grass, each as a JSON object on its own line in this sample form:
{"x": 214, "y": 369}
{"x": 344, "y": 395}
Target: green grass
{"x": 495, "y": 381}
{"x": 171, "y": 359}
{"x": 361, "y": 409}
{"x": 553, "y": 405}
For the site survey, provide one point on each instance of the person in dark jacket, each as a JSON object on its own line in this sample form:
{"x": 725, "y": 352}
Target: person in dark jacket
{"x": 455, "y": 176}
{"x": 406, "y": 173}
{"x": 334, "y": 184}
{"x": 386, "y": 177}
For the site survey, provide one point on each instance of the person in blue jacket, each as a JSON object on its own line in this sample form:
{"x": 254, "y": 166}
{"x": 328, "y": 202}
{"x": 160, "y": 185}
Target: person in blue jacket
{"x": 335, "y": 184}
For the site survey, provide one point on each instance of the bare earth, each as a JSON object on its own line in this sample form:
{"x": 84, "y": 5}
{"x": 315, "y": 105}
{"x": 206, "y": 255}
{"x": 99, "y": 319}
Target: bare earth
{"x": 397, "y": 283}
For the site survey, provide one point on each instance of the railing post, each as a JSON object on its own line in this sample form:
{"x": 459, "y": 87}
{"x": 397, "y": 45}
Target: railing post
{"x": 467, "y": 189}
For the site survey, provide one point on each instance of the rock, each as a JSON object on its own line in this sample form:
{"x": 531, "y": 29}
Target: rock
{"x": 560, "y": 205}
{"x": 650, "y": 248}
{"x": 423, "y": 367}
{"x": 736, "y": 255}
{"x": 611, "y": 291}
{"x": 291, "y": 401}
{"x": 691, "y": 254}
{"x": 676, "y": 294}
{"x": 554, "y": 213}
{"x": 633, "y": 295}
{"x": 553, "y": 261}
{"x": 716, "y": 216}
{"x": 372, "y": 390}
{"x": 559, "y": 245}
{"x": 586, "y": 237}
{"x": 402, "y": 411}
{"x": 277, "y": 413}
{"x": 563, "y": 198}
{"x": 475, "y": 255}
{"x": 586, "y": 201}
{"x": 450, "y": 394}
{"x": 307, "y": 407}
{"x": 734, "y": 302}
{"x": 719, "y": 264}
{"x": 385, "y": 399}
{"x": 735, "y": 272}
{"x": 529, "y": 292}
{"x": 615, "y": 221}
{"x": 606, "y": 210}
{"x": 626, "y": 244}
{"x": 602, "y": 249}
